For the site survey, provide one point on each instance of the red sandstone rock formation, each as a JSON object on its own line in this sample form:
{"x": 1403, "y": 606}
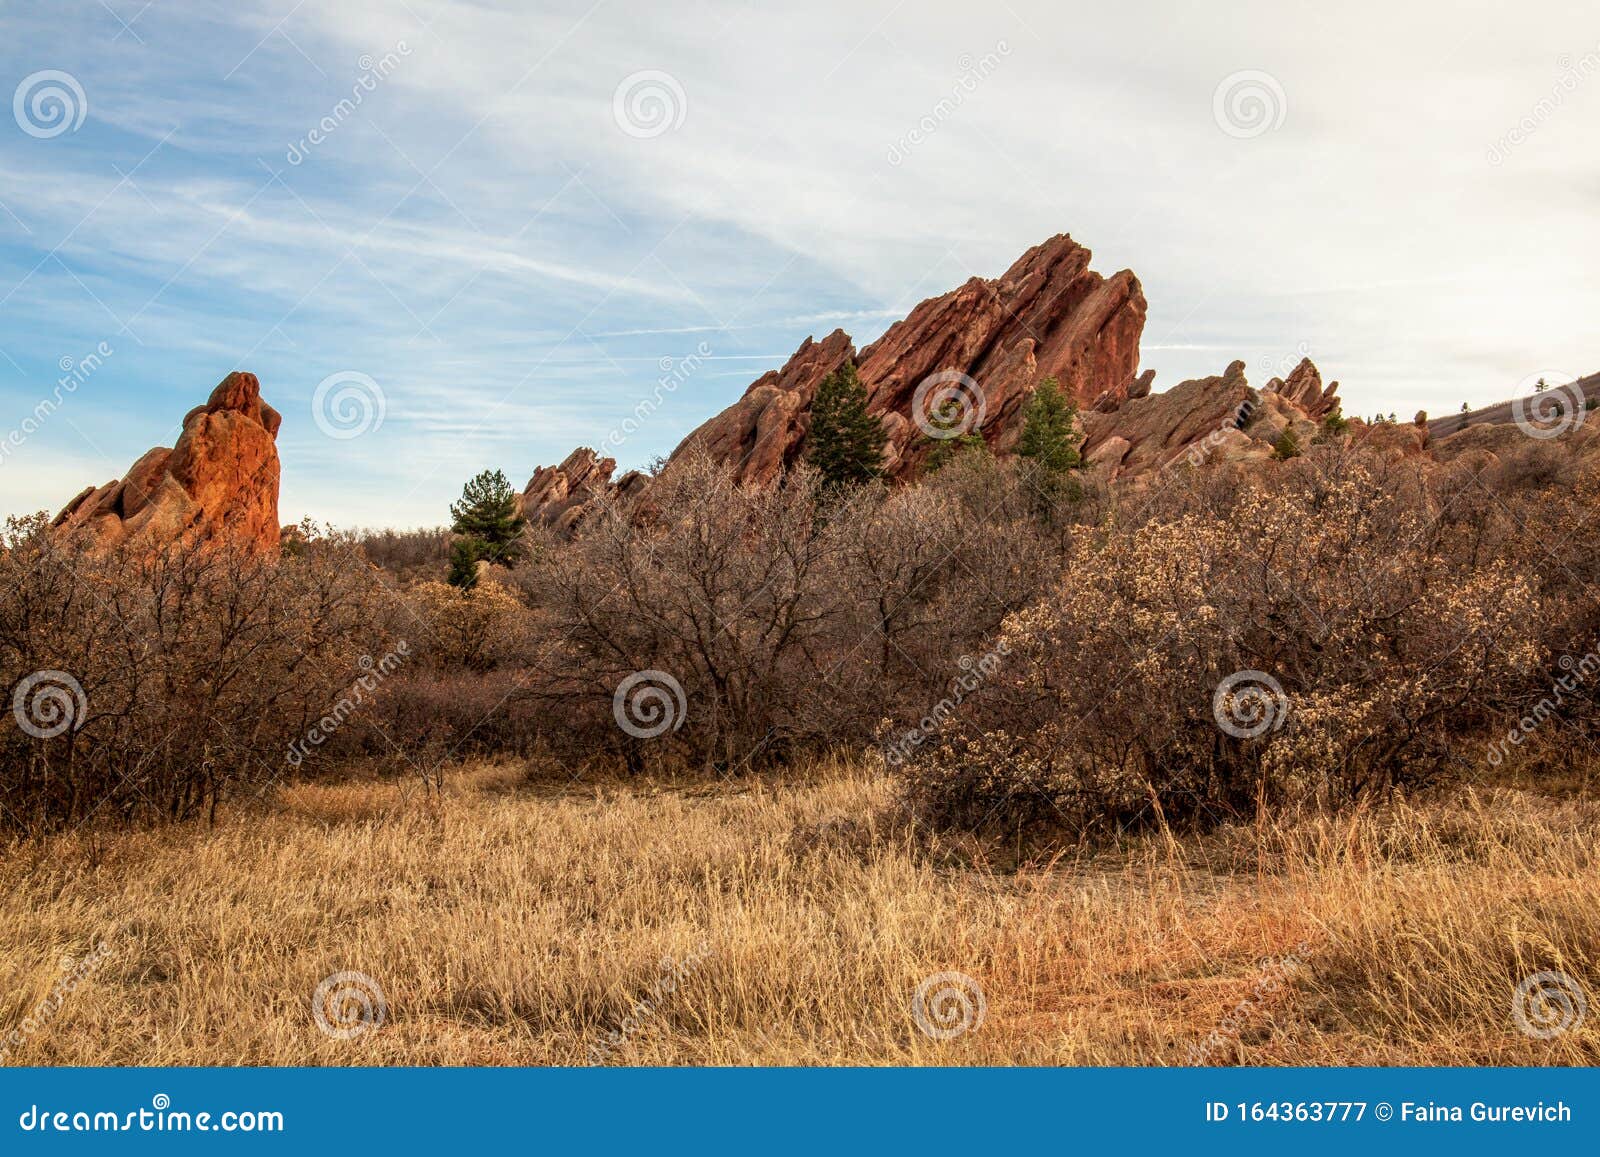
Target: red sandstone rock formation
{"x": 764, "y": 431}
{"x": 1049, "y": 315}
{"x": 1207, "y": 419}
{"x": 1304, "y": 388}
{"x": 1148, "y": 433}
{"x": 992, "y": 341}
{"x": 557, "y": 496}
{"x": 218, "y": 483}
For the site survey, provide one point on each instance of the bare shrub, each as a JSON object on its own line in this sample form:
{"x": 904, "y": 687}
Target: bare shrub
{"x": 180, "y": 676}
{"x": 717, "y": 587}
{"x": 1355, "y": 643}
{"x": 926, "y": 575}
{"x": 408, "y": 555}
{"x": 477, "y": 630}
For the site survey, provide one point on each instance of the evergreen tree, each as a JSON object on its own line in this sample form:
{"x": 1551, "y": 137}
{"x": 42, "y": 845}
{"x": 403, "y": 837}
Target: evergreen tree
{"x": 1287, "y": 446}
{"x": 491, "y": 512}
{"x": 464, "y": 556}
{"x": 1049, "y": 429}
{"x": 845, "y": 442}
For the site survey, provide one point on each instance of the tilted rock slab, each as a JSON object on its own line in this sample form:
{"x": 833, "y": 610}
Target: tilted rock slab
{"x": 994, "y": 340}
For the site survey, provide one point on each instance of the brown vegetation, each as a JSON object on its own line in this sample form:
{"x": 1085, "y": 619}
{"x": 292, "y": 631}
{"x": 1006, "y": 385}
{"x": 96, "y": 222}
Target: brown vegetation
{"x": 512, "y": 923}
{"x": 982, "y": 723}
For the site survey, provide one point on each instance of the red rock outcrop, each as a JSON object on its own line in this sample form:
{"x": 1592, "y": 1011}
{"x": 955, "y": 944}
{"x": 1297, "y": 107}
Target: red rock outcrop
{"x": 219, "y": 482}
{"x": 1146, "y": 434}
{"x": 1049, "y": 315}
{"x": 557, "y": 496}
{"x": 764, "y": 431}
{"x": 1207, "y": 419}
{"x": 1304, "y": 388}
{"x": 992, "y": 341}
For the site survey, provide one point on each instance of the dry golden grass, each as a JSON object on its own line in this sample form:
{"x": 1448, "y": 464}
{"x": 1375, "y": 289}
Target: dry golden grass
{"x": 510, "y": 923}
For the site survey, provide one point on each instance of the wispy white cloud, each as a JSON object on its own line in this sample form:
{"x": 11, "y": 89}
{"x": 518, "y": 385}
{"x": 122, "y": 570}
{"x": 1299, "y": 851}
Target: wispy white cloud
{"x": 485, "y": 241}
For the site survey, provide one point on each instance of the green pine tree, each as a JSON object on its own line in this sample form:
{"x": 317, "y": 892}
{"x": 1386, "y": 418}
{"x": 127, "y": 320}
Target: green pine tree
{"x": 845, "y": 442}
{"x": 491, "y": 512}
{"x": 464, "y": 556}
{"x": 1049, "y": 429}
{"x": 1287, "y": 446}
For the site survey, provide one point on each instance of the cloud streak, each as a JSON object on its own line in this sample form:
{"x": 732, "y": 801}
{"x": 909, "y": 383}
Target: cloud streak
{"x": 481, "y": 235}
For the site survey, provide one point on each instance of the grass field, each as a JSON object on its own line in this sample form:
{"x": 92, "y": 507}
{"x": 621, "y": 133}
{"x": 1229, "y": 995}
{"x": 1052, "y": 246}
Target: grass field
{"x": 509, "y": 921}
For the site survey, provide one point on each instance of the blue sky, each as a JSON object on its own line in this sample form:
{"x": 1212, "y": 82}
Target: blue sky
{"x": 509, "y": 251}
